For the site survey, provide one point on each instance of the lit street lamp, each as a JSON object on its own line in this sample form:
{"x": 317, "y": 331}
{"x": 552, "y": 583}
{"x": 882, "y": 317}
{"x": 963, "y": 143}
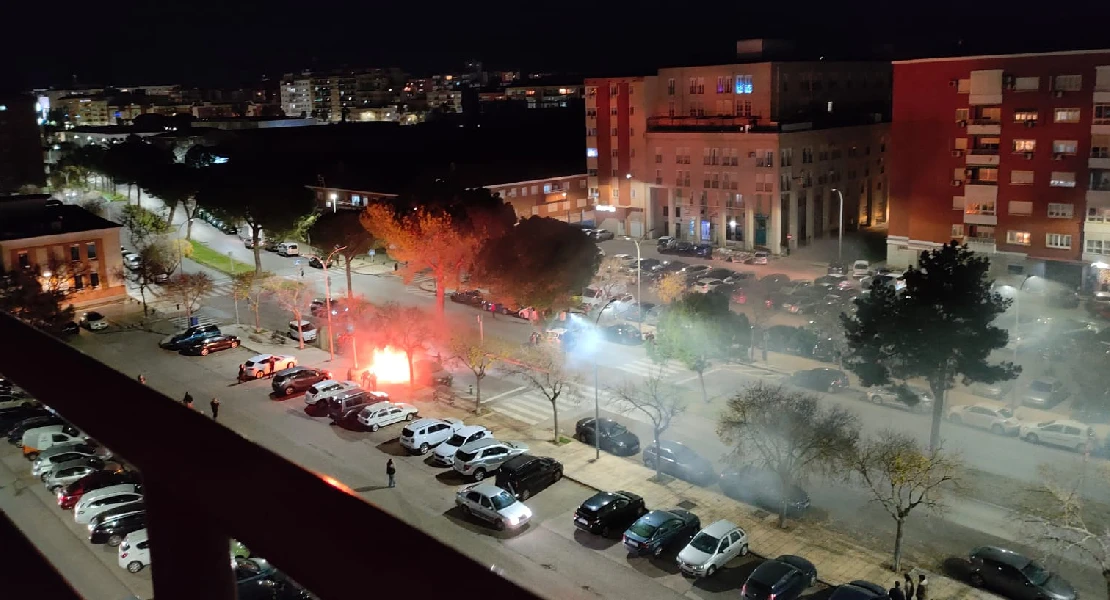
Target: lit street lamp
{"x": 327, "y": 295}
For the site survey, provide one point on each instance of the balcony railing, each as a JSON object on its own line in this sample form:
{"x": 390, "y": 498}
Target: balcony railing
{"x": 986, "y": 121}
{"x": 231, "y": 470}
{"x": 702, "y": 124}
{"x": 983, "y": 151}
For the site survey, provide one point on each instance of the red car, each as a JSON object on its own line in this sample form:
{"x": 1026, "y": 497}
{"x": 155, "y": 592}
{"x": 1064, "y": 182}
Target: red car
{"x": 70, "y": 494}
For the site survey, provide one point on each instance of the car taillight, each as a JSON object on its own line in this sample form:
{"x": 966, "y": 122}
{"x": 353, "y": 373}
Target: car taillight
{"x": 744, "y": 589}
{"x": 123, "y": 555}
{"x": 771, "y": 597}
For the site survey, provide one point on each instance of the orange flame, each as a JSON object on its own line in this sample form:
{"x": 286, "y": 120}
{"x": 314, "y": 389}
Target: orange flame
{"x": 390, "y": 366}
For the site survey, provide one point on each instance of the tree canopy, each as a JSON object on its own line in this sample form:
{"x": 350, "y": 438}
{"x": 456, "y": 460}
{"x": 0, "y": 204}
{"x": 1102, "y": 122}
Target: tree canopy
{"x": 342, "y": 230}
{"x": 22, "y": 295}
{"x": 698, "y": 329}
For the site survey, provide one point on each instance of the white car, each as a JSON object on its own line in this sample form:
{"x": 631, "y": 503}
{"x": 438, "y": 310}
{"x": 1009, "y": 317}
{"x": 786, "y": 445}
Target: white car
{"x": 94, "y": 321}
{"x": 423, "y": 435}
{"x": 8, "y": 401}
{"x": 65, "y": 475}
{"x": 134, "y": 552}
{"x": 261, "y": 365}
{"x": 484, "y": 456}
{"x": 321, "y": 391}
{"x": 44, "y": 464}
{"x": 444, "y": 453}
{"x": 998, "y": 420}
{"x": 861, "y": 268}
{"x": 491, "y": 503}
{"x": 302, "y": 329}
{"x": 760, "y": 258}
{"x": 704, "y": 286}
{"x": 1061, "y": 432}
{"x": 381, "y": 414}
{"x": 713, "y": 548}
{"x": 91, "y": 505}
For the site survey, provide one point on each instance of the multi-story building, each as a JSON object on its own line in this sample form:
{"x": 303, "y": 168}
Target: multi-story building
{"x": 68, "y": 247}
{"x": 86, "y": 110}
{"x": 438, "y": 92}
{"x": 756, "y": 153}
{"x": 1010, "y": 154}
{"x": 332, "y": 96}
{"x": 296, "y": 95}
{"x": 21, "y": 156}
{"x": 546, "y": 96}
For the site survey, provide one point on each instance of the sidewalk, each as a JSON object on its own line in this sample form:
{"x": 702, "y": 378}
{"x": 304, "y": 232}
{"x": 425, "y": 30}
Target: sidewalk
{"x": 364, "y": 265}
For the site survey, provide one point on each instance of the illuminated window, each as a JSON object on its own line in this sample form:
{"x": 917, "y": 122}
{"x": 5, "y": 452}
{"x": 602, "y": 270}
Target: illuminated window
{"x": 1025, "y": 114}
{"x": 962, "y": 114}
{"x": 1065, "y": 146}
{"x": 1020, "y": 238}
{"x": 957, "y": 230}
{"x": 743, "y": 84}
{"x": 1066, "y": 115}
{"x": 1058, "y": 240}
{"x": 1062, "y": 179}
{"x": 1025, "y": 145}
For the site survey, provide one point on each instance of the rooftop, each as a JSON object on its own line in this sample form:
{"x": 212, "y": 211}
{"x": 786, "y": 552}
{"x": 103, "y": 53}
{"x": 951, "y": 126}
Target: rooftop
{"x": 1010, "y": 55}
{"x": 23, "y": 217}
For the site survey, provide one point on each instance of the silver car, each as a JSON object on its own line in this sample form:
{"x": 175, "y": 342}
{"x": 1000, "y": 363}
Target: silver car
{"x": 476, "y": 459}
{"x": 67, "y": 474}
{"x": 491, "y": 503}
{"x": 1044, "y": 392}
{"x": 900, "y": 397}
{"x": 47, "y": 463}
{"x": 999, "y": 420}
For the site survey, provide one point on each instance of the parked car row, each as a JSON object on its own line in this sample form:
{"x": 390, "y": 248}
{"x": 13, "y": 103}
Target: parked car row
{"x": 224, "y": 226}
{"x": 476, "y": 299}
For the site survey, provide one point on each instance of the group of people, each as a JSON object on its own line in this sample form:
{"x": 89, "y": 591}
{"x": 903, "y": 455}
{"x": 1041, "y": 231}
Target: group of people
{"x": 909, "y": 592}
{"x": 368, "y": 379}
{"x": 214, "y": 404}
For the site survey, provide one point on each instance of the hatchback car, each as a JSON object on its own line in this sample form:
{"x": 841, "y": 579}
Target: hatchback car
{"x": 760, "y": 257}
{"x": 424, "y": 434}
{"x": 906, "y": 397}
{"x": 479, "y": 458}
{"x": 1015, "y": 576}
{"x": 614, "y": 437}
{"x": 110, "y": 527}
{"x": 713, "y": 548}
{"x": 860, "y": 590}
{"x": 206, "y": 346}
{"x": 1044, "y": 392}
{"x": 379, "y": 415}
{"x": 134, "y": 551}
{"x": 525, "y": 475}
{"x": 261, "y": 365}
{"x": 287, "y": 382}
{"x": 783, "y": 578}
{"x": 52, "y": 458}
{"x": 104, "y": 500}
{"x": 72, "y": 492}
{"x": 444, "y": 454}
{"x": 655, "y": 531}
{"x": 1063, "y": 433}
{"x": 999, "y": 420}
{"x": 678, "y": 460}
{"x": 69, "y": 473}
{"x": 605, "y": 512}
{"x": 820, "y": 380}
{"x": 762, "y": 488}
{"x": 322, "y": 390}
{"x": 493, "y": 504}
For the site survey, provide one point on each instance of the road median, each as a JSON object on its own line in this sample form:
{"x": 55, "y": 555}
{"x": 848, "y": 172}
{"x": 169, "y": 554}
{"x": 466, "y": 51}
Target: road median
{"x": 208, "y": 257}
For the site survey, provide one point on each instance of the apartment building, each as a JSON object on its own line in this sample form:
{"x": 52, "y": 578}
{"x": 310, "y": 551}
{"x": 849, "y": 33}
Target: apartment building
{"x": 546, "y": 96}
{"x": 21, "y": 155}
{"x": 753, "y": 154}
{"x": 332, "y": 96}
{"x": 1010, "y": 154}
{"x": 86, "y": 110}
{"x": 296, "y": 95}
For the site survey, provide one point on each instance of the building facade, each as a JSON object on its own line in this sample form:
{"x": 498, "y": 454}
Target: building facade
{"x": 332, "y": 96}
{"x": 748, "y": 154}
{"x": 1010, "y": 154}
{"x": 86, "y": 110}
{"x": 21, "y": 155}
{"x": 296, "y": 95}
{"x": 546, "y": 96}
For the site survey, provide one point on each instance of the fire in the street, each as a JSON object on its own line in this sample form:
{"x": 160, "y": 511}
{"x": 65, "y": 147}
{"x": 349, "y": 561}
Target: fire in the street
{"x": 390, "y": 366}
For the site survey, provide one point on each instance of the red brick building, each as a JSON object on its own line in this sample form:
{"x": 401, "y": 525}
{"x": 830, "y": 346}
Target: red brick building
{"x": 1010, "y": 154}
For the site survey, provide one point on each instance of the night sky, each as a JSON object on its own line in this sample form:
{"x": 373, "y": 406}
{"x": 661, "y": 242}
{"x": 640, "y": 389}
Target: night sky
{"x": 169, "y": 42}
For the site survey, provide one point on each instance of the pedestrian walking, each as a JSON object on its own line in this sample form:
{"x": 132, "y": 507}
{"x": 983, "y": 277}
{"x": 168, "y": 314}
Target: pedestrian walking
{"x": 922, "y": 588}
{"x": 896, "y": 592}
{"x": 373, "y": 380}
{"x": 302, "y": 271}
{"x": 215, "y": 404}
{"x": 189, "y": 403}
{"x": 187, "y": 400}
{"x": 242, "y": 372}
{"x": 394, "y": 267}
{"x": 391, "y": 472}
{"x": 142, "y": 379}
{"x": 365, "y": 379}
{"x": 350, "y": 374}
{"x": 909, "y": 584}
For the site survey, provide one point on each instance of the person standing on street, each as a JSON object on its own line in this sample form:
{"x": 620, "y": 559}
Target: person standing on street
{"x": 215, "y": 404}
{"x": 350, "y": 373}
{"x": 391, "y": 472}
{"x": 922, "y": 588}
{"x": 896, "y": 591}
{"x": 187, "y": 400}
{"x": 142, "y": 379}
{"x": 909, "y": 585}
{"x": 242, "y": 372}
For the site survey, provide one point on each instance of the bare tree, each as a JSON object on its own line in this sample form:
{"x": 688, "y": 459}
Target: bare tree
{"x": 251, "y": 287}
{"x": 901, "y": 475}
{"x": 788, "y": 432}
{"x": 58, "y": 275}
{"x": 477, "y": 355}
{"x": 406, "y": 328}
{"x": 544, "y": 370}
{"x": 292, "y": 295}
{"x": 661, "y": 402}
{"x": 151, "y": 267}
{"x": 188, "y": 289}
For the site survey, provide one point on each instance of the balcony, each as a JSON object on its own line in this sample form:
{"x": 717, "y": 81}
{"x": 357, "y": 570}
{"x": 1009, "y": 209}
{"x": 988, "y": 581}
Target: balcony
{"x": 982, "y": 156}
{"x": 984, "y": 127}
{"x": 121, "y": 418}
{"x": 981, "y": 245}
{"x": 706, "y": 124}
{"x": 978, "y": 217}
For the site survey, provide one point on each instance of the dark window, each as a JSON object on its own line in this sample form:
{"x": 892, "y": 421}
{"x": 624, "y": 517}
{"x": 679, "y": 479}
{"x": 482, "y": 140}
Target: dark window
{"x": 94, "y": 279}
{"x": 90, "y": 250}
{"x": 75, "y": 252}
{"x": 78, "y": 282}
{"x": 24, "y": 260}
{"x": 665, "y": 210}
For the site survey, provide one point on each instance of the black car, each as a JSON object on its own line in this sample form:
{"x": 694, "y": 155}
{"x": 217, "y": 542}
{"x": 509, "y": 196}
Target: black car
{"x": 15, "y": 434}
{"x": 11, "y": 418}
{"x": 820, "y": 380}
{"x": 316, "y": 263}
{"x": 1015, "y": 576}
{"x": 859, "y": 590}
{"x": 680, "y": 461}
{"x": 774, "y": 282}
{"x": 762, "y": 488}
{"x": 703, "y": 250}
{"x": 347, "y": 405}
{"x": 615, "y": 438}
{"x": 297, "y": 379}
{"x": 319, "y": 307}
{"x": 684, "y": 248}
{"x": 206, "y": 346}
{"x": 470, "y": 297}
{"x": 623, "y": 334}
{"x": 784, "y": 578}
{"x": 655, "y": 531}
{"x": 111, "y": 526}
{"x": 190, "y": 336}
{"x": 835, "y": 269}
{"x": 606, "y": 512}
{"x": 524, "y": 475}
{"x": 68, "y": 328}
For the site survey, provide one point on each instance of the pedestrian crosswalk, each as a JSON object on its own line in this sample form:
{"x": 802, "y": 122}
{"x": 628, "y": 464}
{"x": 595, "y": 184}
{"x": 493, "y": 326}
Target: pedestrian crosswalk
{"x": 417, "y": 286}
{"x": 645, "y": 367}
{"x": 529, "y": 406}
{"x": 182, "y": 322}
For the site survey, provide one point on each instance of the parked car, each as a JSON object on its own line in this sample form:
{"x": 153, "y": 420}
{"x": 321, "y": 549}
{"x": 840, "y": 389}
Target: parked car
{"x": 41, "y": 438}
{"x": 189, "y": 337}
{"x": 316, "y": 263}
{"x": 206, "y": 346}
{"x": 288, "y": 249}
{"x": 444, "y": 453}
{"x": 322, "y": 390}
{"x": 994, "y": 391}
{"x": 424, "y": 434}
{"x": 68, "y": 473}
{"x": 999, "y": 420}
{"x": 12, "y": 417}
{"x": 706, "y": 285}
{"x": 134, "y": 551}
{"x": 760, "y": 257}
{"x": 861, "y": 268}
{"x": 524, "y": 475}
{"x": 481, "y": 457}
{"x": 287, "y": 382}
{"x": 659, "y": 529}
{"x": 834, "y": 269}
{"x": 1015, "y": 576}
{"x": 70, "y": 493}
{"x": 379, "y": 415}
{"x": 762, "y": 488}
{"x": 1044, "y": 392}
{"x": 491, "y": 503}
{"x": 261, "y": 365}
{"x": 319, "y": 307}
{"x": 680, "y": 461}
{"x": 94, "y": 321}
{"x": 820, "y": 380}
{"x": 49, "y": 460}
{"x": 603, "y": 234}
{"x": 1060, "y": 432}
{"x": 16, "y": 430}
{"x": 110, "y": 527}
{"x": 906, "y": 397}
{"x": 94, "y": 503}
{"x": 605, "y": 512}
{"x": 344, "y": 407}
{"x": 713, "y": 548}
{"x": 782, "y": 578}
{"x": 614, "y": 437}
{"x": 663, "y": 241}
{"x": 471, "y": 297}
{"x": 623, "y": 334}
{"x": 860, "y": 590}
{"x": 302, "y": 330}
{"x": 10, "y": 402}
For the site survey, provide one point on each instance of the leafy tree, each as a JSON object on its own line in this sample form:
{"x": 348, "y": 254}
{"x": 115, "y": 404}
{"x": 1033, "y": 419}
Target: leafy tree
{"x": 22, "y": 296}
{"x": 343, "y": 230}
{"x": 901, "y": 476}
{"x": 199, "y": 156}
{"x": 57, "y": 274}
{"x": 405, "y": 328}
{"x": 541, "y": 263}
{"x": 292, "y": 295}
{"x": 477, "y": 355}
{"x": 136, "y": 161}
{"x": 787, "y": 432}
{"x": 660, "y": 402}
{"x": 156, "y": 259}
{"x": 188, "y": 289}
{"x": 176, "y": 185}
{"x": 698, "y": 329}
{"x": 251, "y": 286}
{"x": 143, "y": 225}
{"x": 544, "y": 369}
{"x": 671, "y": 287}
{"x": 610, "y": 278}
{"x": 938, "y": 327}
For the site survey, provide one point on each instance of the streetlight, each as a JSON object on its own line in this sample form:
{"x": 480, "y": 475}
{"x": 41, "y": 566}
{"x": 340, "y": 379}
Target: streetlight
{"x": 327, "y": 295}
{"x": 597, "y": 398}
{"x": 639, "y": 290}
{"x": 840, "y": 230}
{"x": 1017, "y": 325}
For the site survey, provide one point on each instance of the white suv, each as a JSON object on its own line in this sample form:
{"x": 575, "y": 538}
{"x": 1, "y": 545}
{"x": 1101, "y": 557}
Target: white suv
{"x": 445, "y": 453}
{"x": 476, "y": 459}
{"x": 87, "y": 507}
{"x": 321, "y": 391}
{"x": 425, "y": 434}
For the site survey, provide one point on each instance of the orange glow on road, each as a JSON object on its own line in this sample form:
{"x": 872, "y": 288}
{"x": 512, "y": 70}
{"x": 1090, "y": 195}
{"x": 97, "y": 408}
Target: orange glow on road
{"x": 390, "y": 366}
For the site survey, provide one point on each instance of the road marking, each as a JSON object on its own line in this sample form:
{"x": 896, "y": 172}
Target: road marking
{"x": 695, "y": 376}
{"x": 503, "y": 394}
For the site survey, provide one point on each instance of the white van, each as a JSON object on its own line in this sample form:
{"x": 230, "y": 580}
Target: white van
{"x": 289, "y": 249}
{"x": 861, "y": 268}
{"x": 41, "y": 438}
{"x": 305, "y": 329}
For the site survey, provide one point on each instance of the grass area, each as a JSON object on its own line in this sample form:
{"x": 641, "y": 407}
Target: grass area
{"x": 115, "y": 197}
{"x": 210, "y": 258}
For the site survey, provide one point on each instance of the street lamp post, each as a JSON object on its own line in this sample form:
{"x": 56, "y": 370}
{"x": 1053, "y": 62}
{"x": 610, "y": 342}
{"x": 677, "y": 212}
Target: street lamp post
{"x": 840, "y": 230}
{"x": 1017, "y": 326}
{"x": 639, "y": 290}
{"x": 327, "y": 295}
{"x": 597, "y": 394}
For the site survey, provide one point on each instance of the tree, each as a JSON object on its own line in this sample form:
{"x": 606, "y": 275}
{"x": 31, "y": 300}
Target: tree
{"x": 136, "y": 161}
{"x": 292, "y": 295}
{"x": 188, "y": 289}
{"x": 198, "y": 157}
{"x": 251, "y": 286}
{"x": 22, "y": 296}
{"x": 901, "y": 476}
{"x": 938, "y": 327}
{"x": 142, "y": 224}
{"x": 57, "y": 274}
{"x": 539, "y": 263}
{"x": 610, "y": 278}
{"x": 698, "y": 329}
{"x": 788, "y": 432}
{"x": 544, "y": 369}
{"x": 176, "y": 185}
{"x": 405, "y": 328}
{"x": 477, "y": 355}
{"x": 342, "y": 230}
{"x": 671, "y": 287}
{"x": 661, "y": 403}
{"x": 156, "y": 260}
